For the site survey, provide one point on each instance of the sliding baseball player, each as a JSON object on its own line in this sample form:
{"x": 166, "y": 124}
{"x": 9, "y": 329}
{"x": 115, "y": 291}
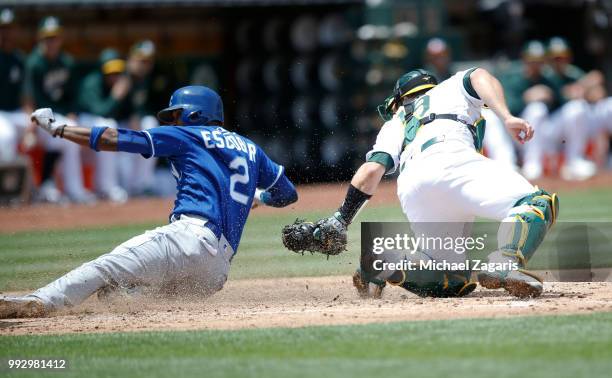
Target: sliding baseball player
{"x": 218, "y": 173}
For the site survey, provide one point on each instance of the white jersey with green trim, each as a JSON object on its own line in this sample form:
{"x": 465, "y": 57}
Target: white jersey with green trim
{"x": 445, "y": 183}
{"x": 449, "y": 97}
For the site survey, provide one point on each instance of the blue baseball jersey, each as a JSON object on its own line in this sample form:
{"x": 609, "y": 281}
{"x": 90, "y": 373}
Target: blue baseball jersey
{"x": 217, "y": 172}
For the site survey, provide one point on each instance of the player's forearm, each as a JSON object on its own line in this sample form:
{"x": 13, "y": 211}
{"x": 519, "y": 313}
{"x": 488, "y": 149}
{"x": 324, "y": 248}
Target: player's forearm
{"x": 78, "y": 135}
{"x": 491, "y": 92}
{"x": 368, "y": 176}
{"x": 363, "y": 185}
{"x": 107, "y": 140}
{"x": 282, "y": 194}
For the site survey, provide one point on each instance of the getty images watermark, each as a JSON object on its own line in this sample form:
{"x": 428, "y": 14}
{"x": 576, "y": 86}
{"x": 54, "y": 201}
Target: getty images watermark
{"x": 438, "y": 246}
{"x": 571, "y": 251}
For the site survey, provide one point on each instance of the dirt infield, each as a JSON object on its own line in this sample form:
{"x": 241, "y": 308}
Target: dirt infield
{"x": 298, "y": 302}
{"x": 312, "y": 197}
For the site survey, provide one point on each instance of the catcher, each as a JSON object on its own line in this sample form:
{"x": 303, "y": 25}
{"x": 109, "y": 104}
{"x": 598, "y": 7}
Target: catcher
{"x": 433, "y": 135}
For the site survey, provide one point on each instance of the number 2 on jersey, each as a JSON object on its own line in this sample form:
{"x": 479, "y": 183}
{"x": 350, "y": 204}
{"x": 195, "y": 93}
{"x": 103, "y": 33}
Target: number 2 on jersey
{"x": 239, "y": 177}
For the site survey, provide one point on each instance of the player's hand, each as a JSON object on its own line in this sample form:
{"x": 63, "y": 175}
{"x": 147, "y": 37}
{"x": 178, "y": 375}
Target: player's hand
{"x": 121, "y": 87}
{"x": 44, "y": 118}
{"x": 520, "y": 129}
{"x": 327, "y": 236}
{"x": 334, "y": 222}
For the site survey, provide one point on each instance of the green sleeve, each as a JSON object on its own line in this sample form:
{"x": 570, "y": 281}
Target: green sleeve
{"x": 467, "y": 83}
{"x": 92, "y": 99}
{"x": 383, "y": 159}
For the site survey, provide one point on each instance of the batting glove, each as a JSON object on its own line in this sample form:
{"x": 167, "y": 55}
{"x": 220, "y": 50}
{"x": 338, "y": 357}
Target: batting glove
{"x": 44, "y": 118}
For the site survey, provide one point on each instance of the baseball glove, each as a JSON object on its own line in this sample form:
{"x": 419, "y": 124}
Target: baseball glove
{"x": 327, "y": 236}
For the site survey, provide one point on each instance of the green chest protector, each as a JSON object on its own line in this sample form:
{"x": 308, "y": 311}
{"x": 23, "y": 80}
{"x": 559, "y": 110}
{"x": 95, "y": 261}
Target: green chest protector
{"x": 413, "y": 122}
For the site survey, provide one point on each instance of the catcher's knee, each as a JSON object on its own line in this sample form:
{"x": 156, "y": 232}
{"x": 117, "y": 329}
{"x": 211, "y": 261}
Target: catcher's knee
{"x": 523, "y": 230}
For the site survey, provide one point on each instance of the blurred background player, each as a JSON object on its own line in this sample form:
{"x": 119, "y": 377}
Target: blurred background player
{"x": 558, "y": 113}
{"x": 529, "y": 92}
{"x": 101, "y": 97}
{"x": 49, "y": 82}
{"x": 137, "y": 174}
{"x": 578, "y": 92}
{"x": 12, "y": 119}
{"x": 438, "y": 58}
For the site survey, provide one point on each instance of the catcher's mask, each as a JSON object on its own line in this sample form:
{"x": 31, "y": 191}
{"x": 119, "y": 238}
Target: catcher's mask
{"x": 199, "y": 105}
{"x": 406, "y": 86}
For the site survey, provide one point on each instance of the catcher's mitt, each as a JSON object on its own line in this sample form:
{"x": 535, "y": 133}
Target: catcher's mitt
{"x": 327, "y": 236}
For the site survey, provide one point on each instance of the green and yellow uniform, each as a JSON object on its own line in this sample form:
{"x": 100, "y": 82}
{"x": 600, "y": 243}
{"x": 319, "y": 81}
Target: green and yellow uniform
{"x": 515, "y": 84}
{"x": 95, "y": 97}
{"x": 50, "y": 84}
{"x": 11, "y": 80}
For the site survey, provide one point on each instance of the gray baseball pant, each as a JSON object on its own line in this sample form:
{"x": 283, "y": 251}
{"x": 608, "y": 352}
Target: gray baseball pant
{"x": 183, "y": 254}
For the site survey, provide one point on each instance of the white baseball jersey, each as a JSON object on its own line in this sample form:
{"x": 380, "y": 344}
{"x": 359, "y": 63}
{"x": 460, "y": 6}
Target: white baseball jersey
{"x": 449, "y": 97}
{"x": 449, "y": 181}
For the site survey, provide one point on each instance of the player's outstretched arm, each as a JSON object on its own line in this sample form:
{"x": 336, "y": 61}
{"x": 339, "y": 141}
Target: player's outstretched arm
{"x": 490, "y": 90}
{"x": 98, "y": 138}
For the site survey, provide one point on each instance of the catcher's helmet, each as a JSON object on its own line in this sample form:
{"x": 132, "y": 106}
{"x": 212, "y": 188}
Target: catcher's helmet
{"x": 199, "y": 105}
{"x": 409, "y": 83}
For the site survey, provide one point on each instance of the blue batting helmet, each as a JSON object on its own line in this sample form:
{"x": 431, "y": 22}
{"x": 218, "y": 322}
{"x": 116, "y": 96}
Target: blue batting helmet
{"x": 199, "y": 105}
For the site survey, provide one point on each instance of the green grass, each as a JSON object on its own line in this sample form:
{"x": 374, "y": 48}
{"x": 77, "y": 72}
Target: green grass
{"x": 31, "y": 259}
{"x": 559, "y": 346}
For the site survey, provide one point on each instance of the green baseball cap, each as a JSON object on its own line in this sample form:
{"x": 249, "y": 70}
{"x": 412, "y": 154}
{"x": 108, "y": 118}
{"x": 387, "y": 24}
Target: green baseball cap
{"x": 50, "y": 26}
{"x": 7, "y": 17}
{"x": 111, "y": 62}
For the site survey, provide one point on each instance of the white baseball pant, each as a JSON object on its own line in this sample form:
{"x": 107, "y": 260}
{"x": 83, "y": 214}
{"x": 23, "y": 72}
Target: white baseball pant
{"x": 568, "y": 125}
{"x": 12, "y": 125}
{"x": 497, "y": 141}
{"x": 70, "y": 163}
{"x": 451, "y": 182}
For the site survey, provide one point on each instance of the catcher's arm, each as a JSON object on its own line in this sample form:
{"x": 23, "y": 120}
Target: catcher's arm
{"x": 491, "y": 92}
{"x": 328, "y": 236}
{"x": 363, "y": 186}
